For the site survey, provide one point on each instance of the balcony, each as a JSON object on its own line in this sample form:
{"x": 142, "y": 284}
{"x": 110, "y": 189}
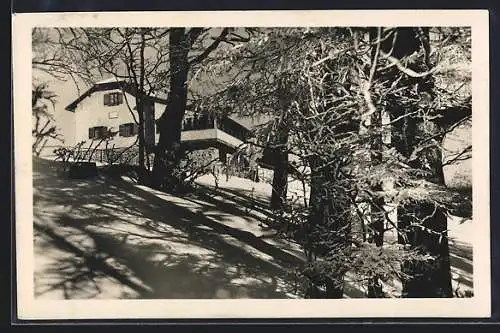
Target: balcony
{"x": 203, "y": 131}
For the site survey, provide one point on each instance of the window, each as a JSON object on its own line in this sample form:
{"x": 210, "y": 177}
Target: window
{"x": 115, "y": 98}
{"x": 129, "y": 129}
{"x": 97, "y": 132}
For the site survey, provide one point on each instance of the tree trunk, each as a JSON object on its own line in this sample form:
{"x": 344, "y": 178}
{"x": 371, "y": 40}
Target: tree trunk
{"x": 376, "y": 237}
{"x": 168, "y": 151}
{"x": 375, "y": 157}
{"x": 323, "y": 207}
{"x": 140, "y": 111}
{"x": 434, "y": 279}
{"x": 141, "y": 108}
{"x": 280, "y": 175}
{"x": 428, "y": 279}
{"x": 431, "y": 279}
{"x": 375, "y": 288}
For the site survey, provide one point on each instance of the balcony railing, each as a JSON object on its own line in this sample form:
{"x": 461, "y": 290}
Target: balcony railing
{"x": 227, "y": 125}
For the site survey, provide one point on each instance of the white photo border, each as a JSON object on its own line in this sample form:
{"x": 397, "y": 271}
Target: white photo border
{"x": 30, "y": 308}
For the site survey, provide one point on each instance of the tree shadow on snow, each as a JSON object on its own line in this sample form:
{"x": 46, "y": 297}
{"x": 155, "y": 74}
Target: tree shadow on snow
{"x": 120, "y": 233}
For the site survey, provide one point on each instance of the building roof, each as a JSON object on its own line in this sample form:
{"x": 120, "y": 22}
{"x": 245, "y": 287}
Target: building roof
{"x": 117, "y": 83}
{"x": 108, "y": 84}
{"x": 109, "y": 80}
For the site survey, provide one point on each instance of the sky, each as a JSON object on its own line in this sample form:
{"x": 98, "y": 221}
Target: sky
{"x": 69, "y": 90}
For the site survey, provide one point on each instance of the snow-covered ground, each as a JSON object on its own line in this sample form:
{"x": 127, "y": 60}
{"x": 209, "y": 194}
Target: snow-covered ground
{"x": 100, "y": 238}
{"x": 460, "y": 231}
{"x": 110, "y": 239}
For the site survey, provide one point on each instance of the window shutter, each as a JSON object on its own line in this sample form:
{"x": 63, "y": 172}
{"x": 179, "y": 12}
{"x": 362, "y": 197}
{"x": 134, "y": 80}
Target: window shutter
{"x": 106, "y": 99}
{"x": 121, "y": 130}
{"x": 135, "y": 129}
{"x": 91, "y": 133}
{"x": 98, "y": 132}
{"x": 120, "y": 98}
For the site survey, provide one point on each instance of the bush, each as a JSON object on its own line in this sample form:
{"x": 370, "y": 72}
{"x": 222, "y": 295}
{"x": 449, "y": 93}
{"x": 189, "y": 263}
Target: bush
{"x": 82, "y": 170}
{"x": 193, "y": 165}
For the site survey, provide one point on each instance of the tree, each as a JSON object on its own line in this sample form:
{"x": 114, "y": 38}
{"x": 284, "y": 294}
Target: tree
{"x": 49, "y": 56}
{"x": 187, "y": 48}
{"x": 340, "y": 131}
{"x": 145, "y": 76}
{"x": 418, "y": 136}
{"x": 43, "y": 127}
{"x": 361, "y": 111}
{"x": 262, "y": 83}
{"x": 403, "y": 87}
{"x": 137, "y": 55}
{"x": 310, "y": 93}
{"x": 43, "y": 60}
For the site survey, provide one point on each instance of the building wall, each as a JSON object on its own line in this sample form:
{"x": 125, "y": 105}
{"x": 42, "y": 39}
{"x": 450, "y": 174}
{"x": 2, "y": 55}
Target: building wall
{"x": 91, "y": 112}
{"x": 66, "y": 126}
{"x": 159, "y": 109}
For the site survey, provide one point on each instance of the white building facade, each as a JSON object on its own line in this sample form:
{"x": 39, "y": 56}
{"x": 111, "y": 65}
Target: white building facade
{"x": 110, "y": 106}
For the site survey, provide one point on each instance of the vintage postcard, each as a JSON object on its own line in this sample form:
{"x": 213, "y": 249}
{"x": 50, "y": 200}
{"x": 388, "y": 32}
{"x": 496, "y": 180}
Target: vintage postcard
{"x": 252, "y": 164}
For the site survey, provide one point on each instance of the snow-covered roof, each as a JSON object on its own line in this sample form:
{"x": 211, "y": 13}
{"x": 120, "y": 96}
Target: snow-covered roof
{"x": 109, "y": 80}
{"x": 109, "y": 84}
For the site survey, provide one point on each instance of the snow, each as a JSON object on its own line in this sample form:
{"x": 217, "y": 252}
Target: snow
{"x": 109, "y": 80}
{"x": 460, "y": 230}
{"x": 460, "y": 233}
{"x": 107, "y": 239}
{"x": 101, "y": 238}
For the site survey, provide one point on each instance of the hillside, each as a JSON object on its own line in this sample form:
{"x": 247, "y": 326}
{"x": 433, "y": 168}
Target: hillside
{"x": 103, "y": 238}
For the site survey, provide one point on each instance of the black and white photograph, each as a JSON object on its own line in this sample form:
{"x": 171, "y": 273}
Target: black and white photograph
{"x": 230, "y": 158}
